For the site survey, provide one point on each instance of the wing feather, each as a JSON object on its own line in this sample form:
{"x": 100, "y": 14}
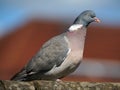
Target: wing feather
{"x": 51, "y": 53}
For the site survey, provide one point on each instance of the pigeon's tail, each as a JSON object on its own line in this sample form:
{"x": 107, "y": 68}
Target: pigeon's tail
{"x": 20, "y": 76}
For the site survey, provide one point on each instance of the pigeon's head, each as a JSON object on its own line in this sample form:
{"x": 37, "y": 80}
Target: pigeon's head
{"x": 86, "y": 17}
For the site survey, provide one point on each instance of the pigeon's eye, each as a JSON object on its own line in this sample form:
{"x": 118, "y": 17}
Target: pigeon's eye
{"x": 92, "y": 16}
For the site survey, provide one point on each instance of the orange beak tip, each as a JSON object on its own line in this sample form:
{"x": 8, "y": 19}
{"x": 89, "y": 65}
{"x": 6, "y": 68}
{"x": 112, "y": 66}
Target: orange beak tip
{"x": 97, "y": 20}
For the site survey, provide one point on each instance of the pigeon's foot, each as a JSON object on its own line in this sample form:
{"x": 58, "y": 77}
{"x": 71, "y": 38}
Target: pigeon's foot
{"x": 59, "y": 80}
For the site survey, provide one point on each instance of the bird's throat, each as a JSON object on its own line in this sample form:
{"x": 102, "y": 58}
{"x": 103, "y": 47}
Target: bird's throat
{"x": 77, "y": 39}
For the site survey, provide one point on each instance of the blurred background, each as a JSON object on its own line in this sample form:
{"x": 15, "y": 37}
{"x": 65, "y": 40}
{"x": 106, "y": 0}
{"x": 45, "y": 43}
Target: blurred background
{"x": 26, "y": 24}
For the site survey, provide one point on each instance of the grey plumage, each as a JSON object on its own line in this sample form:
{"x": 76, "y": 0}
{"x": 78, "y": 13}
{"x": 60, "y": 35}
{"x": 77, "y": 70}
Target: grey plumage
{"x": 60, "y": 55}
{"x": 51, "y": 53}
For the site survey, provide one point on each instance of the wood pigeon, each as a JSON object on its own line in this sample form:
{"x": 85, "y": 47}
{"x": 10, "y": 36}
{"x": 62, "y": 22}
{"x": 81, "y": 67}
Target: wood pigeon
{"x": 60, "y": 55}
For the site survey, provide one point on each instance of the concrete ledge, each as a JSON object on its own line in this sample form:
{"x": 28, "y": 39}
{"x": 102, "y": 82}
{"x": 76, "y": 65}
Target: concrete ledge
{"x": 55, "y": 85}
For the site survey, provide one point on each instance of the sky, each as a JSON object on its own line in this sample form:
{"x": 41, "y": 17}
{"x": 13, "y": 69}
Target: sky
{"x": 14, "y": 13}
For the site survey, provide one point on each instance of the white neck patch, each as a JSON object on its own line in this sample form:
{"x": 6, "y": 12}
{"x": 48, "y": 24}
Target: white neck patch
{"x": 75, "y": 27}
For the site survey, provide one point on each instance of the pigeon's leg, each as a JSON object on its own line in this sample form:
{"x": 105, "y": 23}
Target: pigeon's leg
{"x": 58, "y": 80}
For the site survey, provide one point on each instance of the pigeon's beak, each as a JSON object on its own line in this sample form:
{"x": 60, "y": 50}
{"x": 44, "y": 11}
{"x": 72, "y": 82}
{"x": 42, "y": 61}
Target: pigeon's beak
{"x": 96, "y": 20}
